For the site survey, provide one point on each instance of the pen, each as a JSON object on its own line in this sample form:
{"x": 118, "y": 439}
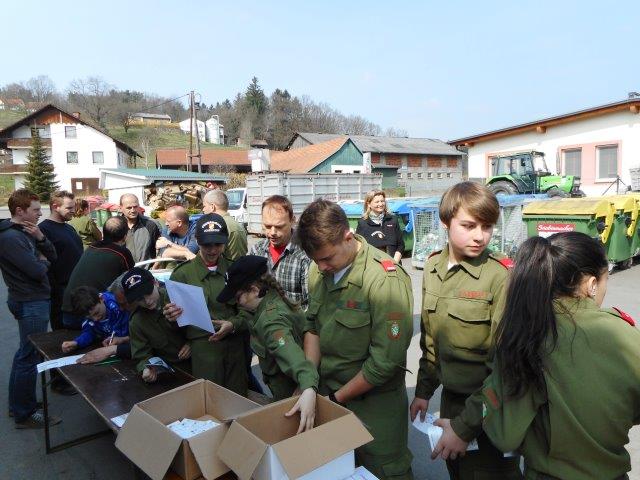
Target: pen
{"x": 111, "y": 339}
{"x": 108, "y": 361}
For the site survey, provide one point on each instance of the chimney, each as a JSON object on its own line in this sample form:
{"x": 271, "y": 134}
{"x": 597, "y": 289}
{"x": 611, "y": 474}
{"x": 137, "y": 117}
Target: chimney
{"x": 76, "y": 114}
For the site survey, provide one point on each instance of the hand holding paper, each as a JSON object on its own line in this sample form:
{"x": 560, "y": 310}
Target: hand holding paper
{"x": 191, "y": 300}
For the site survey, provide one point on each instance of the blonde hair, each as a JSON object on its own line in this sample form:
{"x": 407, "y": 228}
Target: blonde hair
{"x": 369, "y": 198}
{"x": 478, "y": 200}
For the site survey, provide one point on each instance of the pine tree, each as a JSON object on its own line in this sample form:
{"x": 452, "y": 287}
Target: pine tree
{"x": 40, "y": 178}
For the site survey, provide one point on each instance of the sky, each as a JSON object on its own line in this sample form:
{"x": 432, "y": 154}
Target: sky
{"x": 445, "y": 69}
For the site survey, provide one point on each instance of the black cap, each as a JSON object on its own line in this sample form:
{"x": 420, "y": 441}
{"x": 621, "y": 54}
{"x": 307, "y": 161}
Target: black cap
{"x": 137, "y": 283}
{"x": 211, "y": 228}
{"x": 243, "y": 271}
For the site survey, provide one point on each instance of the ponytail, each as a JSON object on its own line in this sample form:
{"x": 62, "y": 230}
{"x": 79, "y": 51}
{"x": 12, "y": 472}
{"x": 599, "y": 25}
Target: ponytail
{"x": 268, "y": 282}
{"x": 545, "y": 269}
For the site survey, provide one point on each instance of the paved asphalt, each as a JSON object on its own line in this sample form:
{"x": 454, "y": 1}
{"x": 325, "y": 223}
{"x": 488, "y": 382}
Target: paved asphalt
{"x": 22, "y": 454}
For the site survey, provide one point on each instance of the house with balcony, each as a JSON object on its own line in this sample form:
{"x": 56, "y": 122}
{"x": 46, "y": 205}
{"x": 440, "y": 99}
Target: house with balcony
{"x": 77, "y": 149}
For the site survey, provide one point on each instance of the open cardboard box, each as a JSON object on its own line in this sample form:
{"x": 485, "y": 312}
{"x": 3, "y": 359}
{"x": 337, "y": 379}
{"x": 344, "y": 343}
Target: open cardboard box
{"x": 147, "y": 442}
{"x": 263, "y": 444}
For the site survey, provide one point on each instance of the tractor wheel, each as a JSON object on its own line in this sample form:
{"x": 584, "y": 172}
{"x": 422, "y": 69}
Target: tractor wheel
{"x": 578, "y": 194}
{"x": 503, "y": 188}
{"x": 556, "y": 192}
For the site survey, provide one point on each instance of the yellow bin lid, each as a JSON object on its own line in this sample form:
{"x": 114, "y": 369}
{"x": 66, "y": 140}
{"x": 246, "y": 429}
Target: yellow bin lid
{"x": 629, "y": 204}
{"x": 595, "y": 207}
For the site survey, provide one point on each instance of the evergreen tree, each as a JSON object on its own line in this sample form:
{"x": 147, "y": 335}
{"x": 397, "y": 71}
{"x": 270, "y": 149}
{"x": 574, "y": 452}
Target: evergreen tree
{"x": 40, "y": 177}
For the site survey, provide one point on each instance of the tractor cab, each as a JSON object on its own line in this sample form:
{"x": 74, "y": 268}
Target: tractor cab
{"x": 522, "y": 169}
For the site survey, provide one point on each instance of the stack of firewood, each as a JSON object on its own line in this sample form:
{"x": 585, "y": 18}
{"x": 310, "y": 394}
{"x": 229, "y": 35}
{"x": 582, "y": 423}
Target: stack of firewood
{"x": 161, "y": 196}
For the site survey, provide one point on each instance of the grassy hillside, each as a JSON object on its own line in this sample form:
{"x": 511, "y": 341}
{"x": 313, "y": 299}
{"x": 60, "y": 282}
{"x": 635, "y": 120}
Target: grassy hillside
{"x": 7, "y": 117}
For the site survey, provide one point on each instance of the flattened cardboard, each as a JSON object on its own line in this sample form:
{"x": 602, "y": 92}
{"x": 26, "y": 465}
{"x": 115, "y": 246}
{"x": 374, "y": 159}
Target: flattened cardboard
{"x": 147, "y": 442}
{"x": 267, "y": 430}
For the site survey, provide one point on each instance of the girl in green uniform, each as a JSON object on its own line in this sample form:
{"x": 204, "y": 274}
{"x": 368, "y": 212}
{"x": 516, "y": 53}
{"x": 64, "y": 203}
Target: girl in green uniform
{"x": 566, "y": 385}
{"x": 276, "y": 334}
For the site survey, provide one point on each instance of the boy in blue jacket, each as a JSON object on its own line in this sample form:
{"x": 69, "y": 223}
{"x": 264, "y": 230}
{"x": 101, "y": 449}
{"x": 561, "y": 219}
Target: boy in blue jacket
{"x": 104, "y": 320}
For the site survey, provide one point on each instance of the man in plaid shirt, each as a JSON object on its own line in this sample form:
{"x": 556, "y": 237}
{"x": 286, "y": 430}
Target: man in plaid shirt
{"x": 287, "y": 262}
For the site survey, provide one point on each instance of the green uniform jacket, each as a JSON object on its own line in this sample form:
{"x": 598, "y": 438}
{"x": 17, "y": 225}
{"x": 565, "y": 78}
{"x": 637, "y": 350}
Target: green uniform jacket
{"x": 461, "y": 307}
{"x": 578, "y": 427}
{"x": 195, "y": 272}
{"x": 276, "y": 337}
{"x": 364, "y": 321}
{"x": 152, "y": 335}
{"x": 236, "y": 247}
{"x": 86, "y": 228}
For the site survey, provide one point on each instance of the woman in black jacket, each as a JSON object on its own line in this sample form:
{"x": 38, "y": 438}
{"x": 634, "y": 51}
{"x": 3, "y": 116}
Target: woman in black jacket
{"x": 379, "y": 227}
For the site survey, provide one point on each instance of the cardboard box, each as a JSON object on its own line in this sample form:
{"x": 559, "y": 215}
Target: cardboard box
{"x": 263, "y": 444}
{"x": 147, "y": 442}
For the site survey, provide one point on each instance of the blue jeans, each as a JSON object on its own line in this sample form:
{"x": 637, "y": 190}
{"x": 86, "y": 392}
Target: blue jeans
{"x": 32, "y": 317}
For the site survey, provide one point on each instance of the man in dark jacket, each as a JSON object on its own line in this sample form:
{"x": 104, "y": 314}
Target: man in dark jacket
{"x": 143, "y": 231}
{"x": 25, "y": 258}
{"x": 101, "y": 263}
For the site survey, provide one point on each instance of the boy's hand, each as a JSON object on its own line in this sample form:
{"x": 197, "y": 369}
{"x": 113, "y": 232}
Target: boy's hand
{"x": 69, "y": 346}
{"x": 450, "y": 446}
{"x": 114, "y": 341}
{"x": 149, "y": 375}
{"x": 185, "y": 352}
{"x": 419, "y": 405}
{"x": 223, "y": 328}
{"x": 171, "y": 312}
{"x": 306, "y": 405}
{"x": 97, "y": 355}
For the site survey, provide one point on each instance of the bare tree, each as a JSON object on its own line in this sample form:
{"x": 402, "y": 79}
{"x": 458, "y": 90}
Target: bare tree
{"x": 91, "y": 95}
{"x": 395, "y": 132}
{"x": 42, "y": 88}
{"x": 148, "y": 141}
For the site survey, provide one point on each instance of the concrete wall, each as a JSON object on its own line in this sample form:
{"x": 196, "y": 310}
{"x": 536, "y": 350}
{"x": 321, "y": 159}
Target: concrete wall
{"x": 618, "y": 128}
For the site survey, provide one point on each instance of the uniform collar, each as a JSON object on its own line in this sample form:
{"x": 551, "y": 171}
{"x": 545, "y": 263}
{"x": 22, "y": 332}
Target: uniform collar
{"x": 203, "y": 271}
{"x": 268, "y": 299}
{"x": 571, "y": 304}
{"x": 355, "y": 274}
{"x": 473, "y": 266}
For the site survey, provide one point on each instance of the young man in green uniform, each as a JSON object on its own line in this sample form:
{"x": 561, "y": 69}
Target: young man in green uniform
{"x": 218, "y": 357}
{"x": 276, "y": 334}
{"x": 150, "y": 334}
{"x": 462, "y": 301}
{"x": 359, "y": 326}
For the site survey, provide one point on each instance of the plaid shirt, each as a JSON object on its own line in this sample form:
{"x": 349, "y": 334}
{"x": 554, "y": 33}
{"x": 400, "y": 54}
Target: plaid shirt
{"x": 291, "y": 270}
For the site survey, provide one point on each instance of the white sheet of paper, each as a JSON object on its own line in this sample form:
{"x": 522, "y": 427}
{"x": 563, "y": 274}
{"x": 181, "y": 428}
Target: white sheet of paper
{"x": 362, "y": 473}
{"x": 58, "y": 362}
{"x": 194, "y": 306}
{"x": 119, "y": 420}
{"x": 434, "y": 432}
{"x": 187, "y": 428}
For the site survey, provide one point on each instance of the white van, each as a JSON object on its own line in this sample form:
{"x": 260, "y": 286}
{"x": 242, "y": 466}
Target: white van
{"x": 238, "y": 205}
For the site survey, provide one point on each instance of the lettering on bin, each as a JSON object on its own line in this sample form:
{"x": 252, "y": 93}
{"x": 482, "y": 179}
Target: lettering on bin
{"x": 548, "y": 229}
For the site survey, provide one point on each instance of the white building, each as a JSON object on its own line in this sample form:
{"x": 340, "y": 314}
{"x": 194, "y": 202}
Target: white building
{"x": 598, "y": 144}
{"x": 77, "y": 150}
{"x": 215, "y": 130}
{"x": 184, "y": 126}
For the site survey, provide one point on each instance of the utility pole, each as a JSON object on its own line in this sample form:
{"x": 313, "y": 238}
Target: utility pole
{"x": 199, "y": 155}
{"x": 191, "y": 110}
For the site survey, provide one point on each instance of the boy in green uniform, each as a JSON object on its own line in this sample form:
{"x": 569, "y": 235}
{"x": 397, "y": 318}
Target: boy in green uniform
{"x": 218, "y": 357}
{"x": 463, "y": 296}
{"x": 276, "y": 334}
{"x": 150, "y": 334}
{"x": 566, "y": 386}
{"x": 359, "y": 326}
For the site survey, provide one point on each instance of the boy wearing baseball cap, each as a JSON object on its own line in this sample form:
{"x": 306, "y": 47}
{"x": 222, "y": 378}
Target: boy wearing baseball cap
{"x": 150, "y": 333}
{"x": 219, "y": 357}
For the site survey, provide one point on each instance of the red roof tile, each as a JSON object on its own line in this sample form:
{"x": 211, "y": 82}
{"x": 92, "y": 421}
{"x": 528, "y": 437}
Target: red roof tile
{"x": 302, "y": 160}
{"x": 214, "y": 156}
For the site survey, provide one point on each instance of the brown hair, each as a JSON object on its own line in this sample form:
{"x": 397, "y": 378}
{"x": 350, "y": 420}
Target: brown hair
{"x": 58, "y": 196}
{"x": 369, "y": 198}
{"x": 21, "y": 198}
{"x": 477, "y": 199}
{"x": 81, "y": 206}
{"x": 322, "y": 222}
{"x": 279, "y": 202}
{"x": 269, "y": 281}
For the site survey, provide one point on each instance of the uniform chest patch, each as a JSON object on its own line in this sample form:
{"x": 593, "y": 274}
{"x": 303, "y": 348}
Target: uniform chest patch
{"x": 393, "y": 329}
{"x": 474, "y": 294}
{"x": 352, "y": 304}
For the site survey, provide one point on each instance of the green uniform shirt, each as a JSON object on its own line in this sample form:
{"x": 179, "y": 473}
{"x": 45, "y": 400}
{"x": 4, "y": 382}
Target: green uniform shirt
{"x": 86, "y": 228}
{"x": 461, "y": 307}
{"x": 578, "y": 427}
{"x": 364, "y": 321}
{"x": 195, "y": 272}
{"x": 236, "y": 247}
{"x": 152, "y": 335}
{"x": 276, "y": 337}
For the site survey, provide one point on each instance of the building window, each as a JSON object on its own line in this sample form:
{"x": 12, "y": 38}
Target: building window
{"x": 607, "y": 161}
{"x": 429, "y": 176}
{"x": 72, "y": 157}
{"x": 399, "y": 176}
{"x": 409, "y": 175}
{"x": 439, "y": 175}
{"x": 572, "y": 161}
{"x": 419, "y": 175}
{"x": 70, "y": 132}
{"x": 40, "y": 131}
{"x": 98, "y": 157}
{"x": 449, "y": 175}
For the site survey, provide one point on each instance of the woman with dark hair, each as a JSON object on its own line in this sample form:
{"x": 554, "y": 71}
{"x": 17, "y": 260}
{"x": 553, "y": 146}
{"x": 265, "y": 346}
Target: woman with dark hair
{"x": 276, "y": 334}
{"x": 84, "y": 224}
{"x": 566, "y": 385}
{"x": 379, "y": 227}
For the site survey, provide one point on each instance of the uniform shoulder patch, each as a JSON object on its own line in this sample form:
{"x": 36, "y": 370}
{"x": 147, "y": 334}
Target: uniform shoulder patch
{"x": 503, "y": 260}
{"x": 388, "y": 265}
{"x": 623, "y": 315}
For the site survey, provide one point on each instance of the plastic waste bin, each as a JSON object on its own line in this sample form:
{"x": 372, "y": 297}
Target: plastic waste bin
{"x": 620, "y": 249}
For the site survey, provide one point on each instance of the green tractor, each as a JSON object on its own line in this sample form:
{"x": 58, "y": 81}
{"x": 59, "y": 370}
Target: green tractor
{"x": 527, "y": 172}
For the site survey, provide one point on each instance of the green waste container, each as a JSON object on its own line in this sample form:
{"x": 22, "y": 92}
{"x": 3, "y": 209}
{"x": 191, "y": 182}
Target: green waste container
{"x": 634, "y": 228}
{"x": 620, "y": 249}
{"x": 593, "y": 216}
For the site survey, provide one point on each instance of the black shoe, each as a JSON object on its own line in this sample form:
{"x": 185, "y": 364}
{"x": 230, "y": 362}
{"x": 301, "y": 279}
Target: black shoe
{"x": 63, "y": 389}
{"x": 39, "y": 406}
{"x": 36, "y": 420}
